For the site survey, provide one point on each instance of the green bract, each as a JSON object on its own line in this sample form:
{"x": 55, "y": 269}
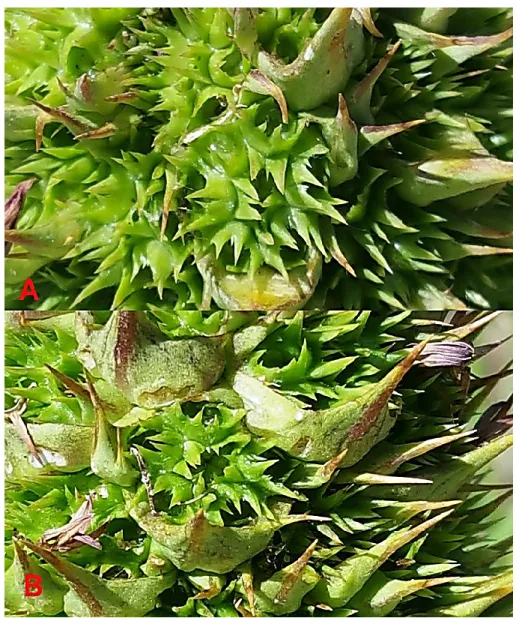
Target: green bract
{"x": 189, "y": 463}
{"x": 259, "y": 159}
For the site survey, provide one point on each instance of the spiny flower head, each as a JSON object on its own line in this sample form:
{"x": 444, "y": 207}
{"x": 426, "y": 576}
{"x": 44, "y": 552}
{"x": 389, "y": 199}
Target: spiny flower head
{"x": 211, "y": 498}
{"x": 261, "y": 159}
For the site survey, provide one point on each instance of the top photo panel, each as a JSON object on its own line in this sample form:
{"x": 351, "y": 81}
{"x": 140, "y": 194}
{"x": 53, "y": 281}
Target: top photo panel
{"x": 258, "y": 159}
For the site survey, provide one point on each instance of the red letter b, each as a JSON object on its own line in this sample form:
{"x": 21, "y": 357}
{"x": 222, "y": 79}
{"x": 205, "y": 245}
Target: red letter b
{"x": 33, "y": 585}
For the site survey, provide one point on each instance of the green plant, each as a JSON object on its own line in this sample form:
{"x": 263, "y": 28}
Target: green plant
{"x": 226, "y": 464}
{"x": 260, "y": 159}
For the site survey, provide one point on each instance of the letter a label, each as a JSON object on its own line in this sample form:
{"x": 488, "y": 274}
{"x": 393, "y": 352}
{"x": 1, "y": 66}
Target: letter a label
{"x": 29, "y": 290}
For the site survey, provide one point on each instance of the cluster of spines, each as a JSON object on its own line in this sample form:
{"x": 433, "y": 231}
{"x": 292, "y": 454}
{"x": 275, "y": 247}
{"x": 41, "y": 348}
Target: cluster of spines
{"x": 303, "y": 191}
{"x": 409, "y": 534}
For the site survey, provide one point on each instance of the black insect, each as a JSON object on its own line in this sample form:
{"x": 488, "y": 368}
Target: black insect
{"x": 276, "y": 556}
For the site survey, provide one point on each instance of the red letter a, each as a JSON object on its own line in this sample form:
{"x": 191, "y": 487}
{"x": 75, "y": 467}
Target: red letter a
{"x": 33, "y": 586}
{"x": 29, "y": 290}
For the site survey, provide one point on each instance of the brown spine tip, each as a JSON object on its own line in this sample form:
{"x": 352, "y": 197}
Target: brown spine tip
{"x": 336, "y": 252}
{"x": 95, "y": 399}
{"x": 21, "y": 555}
{"x": 196, "y": 528}
{"x": 495, "y": 421}
{"x": 330, "y": 466}
{"x": 391, "y": 129}
{"x": 64, "y": 89}
{"x": 126, "y": 334}
{"x": 21, "y": 429}
{"x": 99, "y": 133}
{"x": 296, "y": 573}
{"x": 83, "y": 592}
{"x": 85, "y": 89}
{"x": 247, "y": 582}
{"x": 371, "y": 78}
{"x": 73, "y": 386}
{"x": 367, "y": 18}
{"x": 208, "y": 593}
{"x": 461, "y": 332}
{"x": 385, "y": 387}
{"x": 122, "y": 97}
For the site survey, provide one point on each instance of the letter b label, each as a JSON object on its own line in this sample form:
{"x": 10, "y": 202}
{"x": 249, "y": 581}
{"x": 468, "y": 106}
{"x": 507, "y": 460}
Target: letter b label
{"x": 33, "y": 585}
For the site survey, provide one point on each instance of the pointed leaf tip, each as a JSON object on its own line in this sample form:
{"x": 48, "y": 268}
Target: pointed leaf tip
{"x": 345, "y": 580}
{"x": 322, "y": 68}
{"x": 369, "y": 22}
{"x": 495, "y": 421}
{"x": 260, "y": 84}
{"x": 370, "y": 135}
{"x": 295, "y": 572}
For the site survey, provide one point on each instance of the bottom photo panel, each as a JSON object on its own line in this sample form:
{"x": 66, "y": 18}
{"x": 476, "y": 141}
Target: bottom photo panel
{"x": 296, "y": 463}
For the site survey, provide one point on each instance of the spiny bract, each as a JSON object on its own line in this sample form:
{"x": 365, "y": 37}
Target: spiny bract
{"x": 259, "y": 159}
{"x": 301, "y": 463}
